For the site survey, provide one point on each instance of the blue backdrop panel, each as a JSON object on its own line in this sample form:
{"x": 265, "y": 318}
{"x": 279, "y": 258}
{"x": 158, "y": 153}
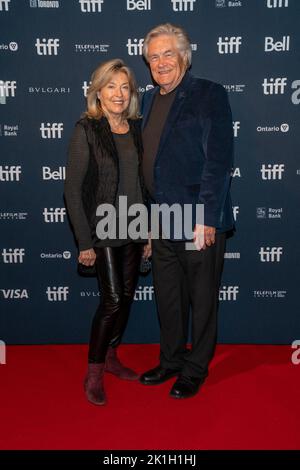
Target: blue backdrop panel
{"x": 48, "y": 50}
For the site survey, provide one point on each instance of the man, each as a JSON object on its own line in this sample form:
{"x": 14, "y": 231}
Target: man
{"x": 188, "y": 158}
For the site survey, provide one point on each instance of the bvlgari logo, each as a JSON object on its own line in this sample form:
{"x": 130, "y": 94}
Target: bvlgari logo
{"x": 50, "y": 90}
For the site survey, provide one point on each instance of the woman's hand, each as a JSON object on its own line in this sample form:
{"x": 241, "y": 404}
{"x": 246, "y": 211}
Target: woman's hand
{"x": 147, "y": 252}
{"x": 87, "y": 257}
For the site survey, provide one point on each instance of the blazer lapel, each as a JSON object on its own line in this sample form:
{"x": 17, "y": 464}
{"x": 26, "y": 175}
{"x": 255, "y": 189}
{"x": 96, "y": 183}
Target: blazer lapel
{"x": 147, "y": 105}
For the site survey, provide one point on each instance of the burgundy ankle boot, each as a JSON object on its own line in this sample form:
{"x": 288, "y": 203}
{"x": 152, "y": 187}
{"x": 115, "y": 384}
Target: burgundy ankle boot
{"x": 93, "y": 384}
{"x": 114, "y": 366}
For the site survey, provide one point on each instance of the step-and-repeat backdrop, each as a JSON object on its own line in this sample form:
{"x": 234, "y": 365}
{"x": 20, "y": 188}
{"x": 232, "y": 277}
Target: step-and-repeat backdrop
{"x": 48, "y": 50}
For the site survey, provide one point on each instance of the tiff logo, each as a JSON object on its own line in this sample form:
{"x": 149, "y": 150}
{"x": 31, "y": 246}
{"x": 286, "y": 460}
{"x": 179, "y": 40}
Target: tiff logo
{"x": 277, "y": 3}
{"x": 138, "y": 4}
{"x": 272, "y": 172}
{"x": 47, "y": 46}
{"x": 7, "y": 88}
{"x": 236, "y": 127}
{"x": 51, "y": 131}
{"x": 270, "y": 255}
{"x": 183, "y": 5}
{"x": 275, "y": 86}
{"x": 85, "y": 88}
{"x": 135, "y": 47}
{"x": 4, "y": 5}
{"x": 229, "y": 45}
{"x": 13, "y": 255}
{"x": 277, "y": 46}
{"x": 55, "y": 215}
{"x": 10, "y": 173}
{"x": 236, "y": 211}
{"x": 2, "y": 352}
{"x": 57, "y": 294}
{"x": 228, "y": 293}
{"x": 144, "y": 293}
{"x": 91, "y": 6}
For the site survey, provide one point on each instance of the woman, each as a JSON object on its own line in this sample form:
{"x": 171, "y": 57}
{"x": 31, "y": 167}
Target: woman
{"x": 104, "y": 162}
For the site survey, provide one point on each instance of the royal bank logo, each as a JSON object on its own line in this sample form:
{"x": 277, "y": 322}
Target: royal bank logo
{"x": 7, "y": 90}
{"x": 57, "y": 294}
{"x": 135, "y": 46}
{"x": 55, "y": 175}
{"x": 65, "y": 255}
{"x": 52, "y": 130}
{"x": 272, "y": 172}
{"x": 4, "y": 5}
{"x": 11, "y": 46}
{"x": 44, "y": 4}
{"x": 236, "y": 125}
{"x": 54, "y": 215}
{"x": 277, "y": 46}
{"x": 13, "y": 216}
{"x": 14, "y": 294}
{"x": 296, "y": 94}
{"x": 13, "y": 255}
{"x": 91, "y": 6}
{"x": 144, "y": 293}
{"x": 91, "y": 48}
{"x": 229, "y": 45}
{"x": 183, "y": 5}
{"x": 10, "y": 173}
{"x": 47, "y": 46}
{"x": 8, "y": 130}
{"x": 239, "y": 88}
{"x": 228, "y": 293}
{"x": 269, "y": 212}
{"x": 284, "y": 128}
{"x": 139, "y": 5}
{"x": 270, "y": 254}
{"x": 228, "y": 3}
{"x": 277, "y": 3}
{"x": 274, "y": 86}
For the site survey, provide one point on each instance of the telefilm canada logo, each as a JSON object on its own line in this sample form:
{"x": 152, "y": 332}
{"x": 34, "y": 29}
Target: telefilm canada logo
{"x": 91, "y": 48}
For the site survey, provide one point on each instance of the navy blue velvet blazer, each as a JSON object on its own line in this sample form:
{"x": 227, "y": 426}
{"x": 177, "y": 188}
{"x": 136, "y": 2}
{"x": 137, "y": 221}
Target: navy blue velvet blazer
{"x": 195, "y": 155}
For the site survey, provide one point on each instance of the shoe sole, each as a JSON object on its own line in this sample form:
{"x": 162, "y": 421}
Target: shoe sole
{"x": 160, "y": 381}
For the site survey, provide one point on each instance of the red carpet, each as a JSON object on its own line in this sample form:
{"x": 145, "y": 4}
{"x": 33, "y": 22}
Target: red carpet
{"x": 250, "y": 401}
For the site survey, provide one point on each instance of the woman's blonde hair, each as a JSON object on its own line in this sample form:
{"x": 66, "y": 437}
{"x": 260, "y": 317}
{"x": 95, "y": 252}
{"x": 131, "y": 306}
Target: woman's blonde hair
{"x": 100, "y": 77}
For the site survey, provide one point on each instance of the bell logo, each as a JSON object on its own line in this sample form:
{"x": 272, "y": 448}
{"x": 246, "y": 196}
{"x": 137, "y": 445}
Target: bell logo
{"x": 138, "y": 5}
{"x": 272, "y": 172}
{"x": 277, "y": 3}
{"x": 51, "y": 131}
{"x": 296, "y": 95}
{"x": 228, "y": 293}
{"x": 4, "y": 5}
{"x": 274, "y": 86}
{"x": 270, "y": 255}
{"x": 10, "y": 173}
{"x": 56, "y": 215}
{"x": 59, "y": 174}
{"x": 57, "y": 294}
{"x": 13, "y": 255}
{"x": 229, "y": 45}
{"x": 91, "y": 6}
{"x": 135, "y": 47}
{"x": 47, "y": 46}
{"x": 278, "y": 46}
{"x": 183, "y": 5}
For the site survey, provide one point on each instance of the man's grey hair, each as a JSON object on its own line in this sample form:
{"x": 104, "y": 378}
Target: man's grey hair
{"x": 183, "y": 41}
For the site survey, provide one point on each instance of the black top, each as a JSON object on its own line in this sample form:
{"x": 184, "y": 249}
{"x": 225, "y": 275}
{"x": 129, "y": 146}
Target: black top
{"x": 152, "y": 134}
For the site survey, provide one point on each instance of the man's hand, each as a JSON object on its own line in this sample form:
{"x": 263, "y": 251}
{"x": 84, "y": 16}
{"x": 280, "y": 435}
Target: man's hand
{"x": 87, "y": 257}
{"x": 148, "y": 248}
{"x": 204, "y": 236}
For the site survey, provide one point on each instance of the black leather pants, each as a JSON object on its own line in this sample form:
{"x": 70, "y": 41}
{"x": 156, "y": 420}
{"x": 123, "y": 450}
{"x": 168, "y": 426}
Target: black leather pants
{"x": 117, "y": 272}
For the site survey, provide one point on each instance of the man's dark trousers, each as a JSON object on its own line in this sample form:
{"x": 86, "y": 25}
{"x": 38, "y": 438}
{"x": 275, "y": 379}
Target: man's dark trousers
{"x": 183, "y": 279}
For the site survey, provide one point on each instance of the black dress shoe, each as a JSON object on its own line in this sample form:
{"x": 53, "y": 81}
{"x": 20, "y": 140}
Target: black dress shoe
{"x": 158, "y": 375}
{"x": 186, "y": 387}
